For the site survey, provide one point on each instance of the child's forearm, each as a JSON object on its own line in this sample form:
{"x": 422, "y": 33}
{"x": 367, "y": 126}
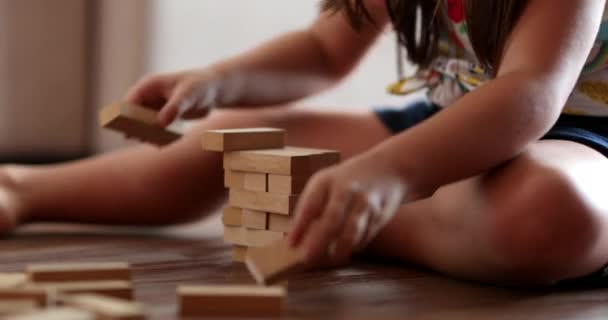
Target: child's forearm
{"x": 485, "y": 128}
{"x": 282, "y": 70}
{"x": 299, "y": 63}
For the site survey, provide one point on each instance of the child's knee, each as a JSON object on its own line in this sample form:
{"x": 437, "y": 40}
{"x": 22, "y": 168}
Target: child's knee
{"x": 543, "y": 228}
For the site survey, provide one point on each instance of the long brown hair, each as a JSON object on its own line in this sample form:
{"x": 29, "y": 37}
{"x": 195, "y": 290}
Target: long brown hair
{"x": 489, "y": 24}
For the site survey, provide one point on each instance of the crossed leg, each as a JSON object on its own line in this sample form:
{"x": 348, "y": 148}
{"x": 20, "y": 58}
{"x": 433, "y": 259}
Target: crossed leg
{"x": 176, "y": 184}
{"x": 538, "y": 219}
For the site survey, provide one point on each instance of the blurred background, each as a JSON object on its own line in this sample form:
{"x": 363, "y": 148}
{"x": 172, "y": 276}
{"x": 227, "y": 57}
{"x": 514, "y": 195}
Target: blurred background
{"x": 62, "y": 60}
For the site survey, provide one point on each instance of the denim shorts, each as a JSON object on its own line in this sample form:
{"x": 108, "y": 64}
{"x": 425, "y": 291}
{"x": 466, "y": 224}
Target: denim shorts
{"x": 589, "y": 131}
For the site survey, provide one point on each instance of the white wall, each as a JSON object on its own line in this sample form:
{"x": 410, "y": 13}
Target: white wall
{"x": 193, "y": 33}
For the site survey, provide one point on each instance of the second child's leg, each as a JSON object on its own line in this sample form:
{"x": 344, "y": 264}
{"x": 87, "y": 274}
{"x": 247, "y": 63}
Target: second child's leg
{"x": 179, "y": 183}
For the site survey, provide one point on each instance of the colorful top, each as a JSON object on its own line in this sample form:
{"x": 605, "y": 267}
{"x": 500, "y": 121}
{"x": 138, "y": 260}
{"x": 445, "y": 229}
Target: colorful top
{"x": 457, "y": 72}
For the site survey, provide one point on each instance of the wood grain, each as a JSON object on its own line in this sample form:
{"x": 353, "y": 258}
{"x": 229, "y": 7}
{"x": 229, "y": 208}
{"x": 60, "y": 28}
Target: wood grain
{"x": 262, "y": 201}
{"x": 289, "y": 161}
{"x": 370, "y": 288}
{"x": 243, "y": 139}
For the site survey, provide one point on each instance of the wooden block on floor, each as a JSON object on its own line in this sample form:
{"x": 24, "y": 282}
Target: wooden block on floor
{"x": 286, "y": 185}
{"x": 250, "y": 238}
{"x": 290, "y": 161}
{"x": 116, "y": 289}
{"x": 253, "y": 219}
{"x": 262, "y": 201}
{"x": 62, "y": 272}
{"x": 63, "y": 313}
{"x": 230, "y": 301}
{"x": 232, "y": 216}
{"x": 42, "y": 297}
{"x": 105, "y": 308}
{"x": 251, "y": 181}
{"x": 243, "y": 139}
{"x": 11, "y": 307}
{"x": 279, "y": 223}
{"x": 12, "y": 280}
{"x": 273, "y": 263}
{"x": 239, "y": 253}
{"x": 137, "y": 122}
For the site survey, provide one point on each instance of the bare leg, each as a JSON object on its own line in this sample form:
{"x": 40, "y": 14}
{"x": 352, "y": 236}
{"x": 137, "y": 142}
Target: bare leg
{"x": 149, "y": 186}
{"x": 538, "y": 219}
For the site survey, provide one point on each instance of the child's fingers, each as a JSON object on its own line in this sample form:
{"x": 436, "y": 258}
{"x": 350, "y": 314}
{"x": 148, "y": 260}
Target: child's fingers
{"x": 354, "y": 227}
{"x": 309, "y": 208}
{"x": 316, "y": 241}
{"x": 150, "y": 88}
{"x": 181, "y": 98}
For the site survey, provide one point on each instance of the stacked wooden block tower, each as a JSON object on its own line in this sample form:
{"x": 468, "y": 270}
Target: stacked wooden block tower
{"x": 264, "y": 178}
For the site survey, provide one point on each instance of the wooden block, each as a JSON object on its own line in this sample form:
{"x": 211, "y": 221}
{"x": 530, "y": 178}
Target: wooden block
{"x": 256, "y": 182}
{"x": 231, "y": 301}
{"x": 289, "y": 161}
{"x": 243, "y": 139}
{"x": 234, "y": 179}
{"x": 12, "y": 280}
{"x": 63, "y": 313}
{"x": 10, "y": 307}
{"x": 273, "y": 263}
{"x": 232, "y": 216}
{"x": 239, "y": 253}
{"x": 136, "y": 122}
{"x": 262, "y": 201}
{"x": 116, "y": 289}
{"x": 42, "y": 297}
{"x": 279, "y": 223}
{"x": 250, "y": 238}
{"x": 286, "y": 185}
{"x": 60, "y": 272}
{"x": 246, "y": 180}
{"x": 106, "y": 308}
{"x": 253, "y": 219}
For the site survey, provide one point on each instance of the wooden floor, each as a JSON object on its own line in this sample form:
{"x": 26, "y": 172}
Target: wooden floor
{"x": 366, "y": 290}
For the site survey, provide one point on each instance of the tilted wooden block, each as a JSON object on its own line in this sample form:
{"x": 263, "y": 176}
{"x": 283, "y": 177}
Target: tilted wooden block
{"x": 250, "y": 238}
{"x": 42, "y": 297}
{"x": 12, "y": 280}
{"x": 63, "y": 313}
{"x": 239, "y": 253}
{"x": 279, "y": 223}
{"x": 232, "y": 216}
{"x": 262, "y": 201}
{"x": 290, "y": 161}
{"x": 231, "y": 301}
{"x": 246, "y": 180}
{"x": 137, "y": 122}
{"x": 61, "y": 272}
{"x": 243, "y": 139}
{"x": 116, "y": 289}
{"x": 286, "y": 185}
{"x": 253, "y": 219}
{"x": 105, "y": 308}
{"x": 11, "y": 307}
{"x": 272, "y": 263}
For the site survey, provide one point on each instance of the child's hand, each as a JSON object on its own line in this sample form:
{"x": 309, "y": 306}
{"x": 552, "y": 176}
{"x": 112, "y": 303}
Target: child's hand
{"x": 188, "y": 94}
{"x": 344, "y": 207}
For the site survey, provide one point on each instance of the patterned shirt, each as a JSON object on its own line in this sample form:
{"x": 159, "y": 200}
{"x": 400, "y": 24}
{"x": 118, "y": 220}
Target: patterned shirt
{"x": 457, "y": 72}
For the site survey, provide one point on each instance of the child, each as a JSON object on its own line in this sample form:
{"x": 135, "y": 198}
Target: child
{"x": 487, "y": 185}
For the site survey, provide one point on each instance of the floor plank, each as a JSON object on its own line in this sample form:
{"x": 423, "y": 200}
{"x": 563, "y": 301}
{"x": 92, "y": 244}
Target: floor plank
{"x": 365, "y": 290}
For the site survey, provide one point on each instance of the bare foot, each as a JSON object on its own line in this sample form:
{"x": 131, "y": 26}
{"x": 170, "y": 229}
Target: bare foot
{"x": 9, "y": 201}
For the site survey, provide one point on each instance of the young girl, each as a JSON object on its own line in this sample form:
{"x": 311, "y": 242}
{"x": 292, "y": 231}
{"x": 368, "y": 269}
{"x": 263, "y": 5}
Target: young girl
{"x": 494, "y": 179}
